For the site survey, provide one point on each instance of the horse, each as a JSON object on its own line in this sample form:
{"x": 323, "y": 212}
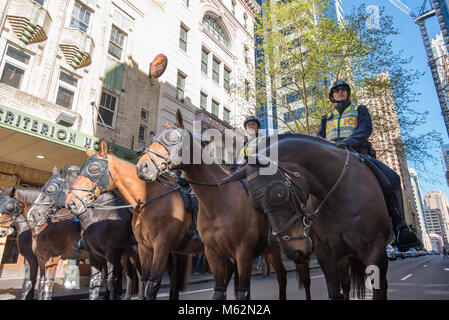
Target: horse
{"x": 24, "y": 246}
{"x": 161, "y": 224}
{"x": 160, "y": 221}
{"x": 106, "y": 234}
{"x": 346, "y": 215}
{"x": 231, "y": 228}
{"x": 50, "y": 242}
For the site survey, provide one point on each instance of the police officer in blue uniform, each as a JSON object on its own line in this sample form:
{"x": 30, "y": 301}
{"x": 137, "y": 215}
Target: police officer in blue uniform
{"x": 350, "y": 126}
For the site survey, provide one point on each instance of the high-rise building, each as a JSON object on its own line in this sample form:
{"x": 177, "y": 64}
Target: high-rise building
{"x": 438, "y": 200}
{"x": 440, "y": 54}
{"x": 387, "y": 141}
{"x": 445, "y": 151}
{"x": 436, "y": 224}
{"x": 437, "y": 242}
{"x": 419, "y": 204}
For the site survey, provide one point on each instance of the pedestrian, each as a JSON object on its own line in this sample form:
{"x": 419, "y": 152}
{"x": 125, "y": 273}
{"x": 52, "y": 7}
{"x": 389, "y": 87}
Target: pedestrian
{"x": 196, "y": 268}
{"x": 350, "y": 126}
{"x": 259, "y": 263}
{"x": 71, "y": 275}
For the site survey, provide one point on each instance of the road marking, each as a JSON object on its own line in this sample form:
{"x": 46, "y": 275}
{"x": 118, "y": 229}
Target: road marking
{"x": 425, "y": 265}
{"x": 406, "y": 277}
{"x": 446, "y": 269}
{"x": 317, "y": 277}
{"x": 161, "y": 295}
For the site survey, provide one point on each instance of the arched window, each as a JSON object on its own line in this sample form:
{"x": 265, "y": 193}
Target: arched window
{"x": 215, "y": 30}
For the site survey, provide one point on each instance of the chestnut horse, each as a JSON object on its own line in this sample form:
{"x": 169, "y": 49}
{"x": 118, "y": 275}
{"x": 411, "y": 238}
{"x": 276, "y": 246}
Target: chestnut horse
{"x": 160, "y": 225}
{"x": 50, "y": 242}
{"x": 106, "y": 234}
{"x": 24, "y": 246}
{"x": 231, "y": 228}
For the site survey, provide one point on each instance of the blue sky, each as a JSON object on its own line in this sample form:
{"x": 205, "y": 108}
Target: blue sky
{"x": 409, "y": 40}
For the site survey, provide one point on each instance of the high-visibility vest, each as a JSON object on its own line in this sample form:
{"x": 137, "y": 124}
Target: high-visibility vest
{"x": 341, "y": 126}
{"x": 248, "y": 148}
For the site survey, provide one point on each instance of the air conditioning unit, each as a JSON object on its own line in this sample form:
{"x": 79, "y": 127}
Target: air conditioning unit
{"x": 65, "y": 119}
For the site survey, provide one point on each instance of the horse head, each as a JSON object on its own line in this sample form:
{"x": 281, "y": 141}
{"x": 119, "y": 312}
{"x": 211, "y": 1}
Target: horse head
{"x": 9, "y": 205}
{"x": 170, "y": 149}
{"x": 94, "y": 179}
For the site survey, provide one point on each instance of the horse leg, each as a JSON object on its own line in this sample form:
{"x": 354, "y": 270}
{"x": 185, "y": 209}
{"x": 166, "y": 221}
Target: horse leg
{"x": 377, "y": 260}
{"x": 146, "y": 258}
{"x": 345, "y": 278}
{"x": 50, "y": 273}
{"x": 136, "y": 264}
{"x": 160, "y": 258}
{"x": 28, "y": 285}
{"x": 220, "y": 269}
{"x": 329, "y": 265}
{"x": 95, "y": 282}
{"x": 41, "y": 285}
{"x": 130, "y": 275}
{"x": 114, "y": 278}
{"x": 244, "y": 268}
{"x": 274, "y": 257}
{"x": 107, "y": 292}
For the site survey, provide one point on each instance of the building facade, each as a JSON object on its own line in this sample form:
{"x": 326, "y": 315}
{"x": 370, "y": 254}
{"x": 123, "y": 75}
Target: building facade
{"x": 445, "y": 151}
{"x": 438, "y": 200}
{"x": 419, "y": 204}
{"x": 436, "y": 224}
{"x": 437, "y": 242}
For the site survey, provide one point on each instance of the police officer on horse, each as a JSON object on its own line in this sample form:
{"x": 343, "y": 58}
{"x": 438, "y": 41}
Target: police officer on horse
{"x": 252, "y": 126}
{"x": 350, "y": 126}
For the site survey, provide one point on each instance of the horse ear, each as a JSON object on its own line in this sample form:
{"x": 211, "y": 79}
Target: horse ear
{"x": 64, "y": 169}
{"x": 103, "y": 148}
{"x": 89, "y": 153}
{"x": 55, "y": 171}
{"x": 179, "y": 119}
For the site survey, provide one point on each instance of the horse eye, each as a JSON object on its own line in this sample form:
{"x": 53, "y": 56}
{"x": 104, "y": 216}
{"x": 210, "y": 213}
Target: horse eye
{"x": 51, "y": 188}
{"x": 172, "y": 136}
{"x": 94, "y": 168}
{"x": 9, "y": 206}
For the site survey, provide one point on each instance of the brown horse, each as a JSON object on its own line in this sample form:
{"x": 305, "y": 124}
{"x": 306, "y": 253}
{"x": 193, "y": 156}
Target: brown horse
{"x": 24, "y": 246}
{"x": 351, "y": 226}
{"x": 106, "y": 234}
{"x": 50, "y": 242}
{"x": 160, "y": 226}
{"x": 231, "y": 228}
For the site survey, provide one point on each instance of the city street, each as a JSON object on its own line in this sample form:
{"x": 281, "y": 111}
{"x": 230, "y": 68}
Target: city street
{"x": 420, "y": 278}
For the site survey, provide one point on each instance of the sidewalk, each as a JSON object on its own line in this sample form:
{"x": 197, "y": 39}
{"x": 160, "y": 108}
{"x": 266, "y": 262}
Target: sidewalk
{"x": 11, "y": 289}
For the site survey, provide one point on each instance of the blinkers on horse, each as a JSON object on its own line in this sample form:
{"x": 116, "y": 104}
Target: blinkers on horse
{"x": 9, "y": 205}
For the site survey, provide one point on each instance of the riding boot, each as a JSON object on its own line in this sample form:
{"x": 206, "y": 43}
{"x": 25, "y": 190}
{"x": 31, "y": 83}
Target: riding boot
{"x": 79, "y": 246}
{"x": 405, "y": 238}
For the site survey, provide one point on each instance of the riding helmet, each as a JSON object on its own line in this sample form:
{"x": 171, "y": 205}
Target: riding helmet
{"x": 335, "y": 85}
{"x": 251, "y": 118}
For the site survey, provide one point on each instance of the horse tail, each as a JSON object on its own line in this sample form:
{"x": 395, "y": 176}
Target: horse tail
{"x": 358, "y": 277}
{"x": 299, "y": 276}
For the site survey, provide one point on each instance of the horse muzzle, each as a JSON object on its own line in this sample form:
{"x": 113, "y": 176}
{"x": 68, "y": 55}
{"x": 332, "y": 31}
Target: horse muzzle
{"x": 147, "y": 171}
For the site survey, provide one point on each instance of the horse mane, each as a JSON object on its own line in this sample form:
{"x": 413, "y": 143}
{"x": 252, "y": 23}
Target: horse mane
{"x": 309, "y": 138}
{"x": 26, "y": 194}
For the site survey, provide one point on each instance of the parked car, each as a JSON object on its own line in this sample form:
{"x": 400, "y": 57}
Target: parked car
{"x": 431, "y": 252}
{"x": 421, "y": 253}
{"x": 411, "y": 253}
{"x": 391, "y": 254}
{"x": 399, "y": 254}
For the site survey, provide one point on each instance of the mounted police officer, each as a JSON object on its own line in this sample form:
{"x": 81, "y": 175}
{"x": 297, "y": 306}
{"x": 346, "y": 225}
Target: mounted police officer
{"x": 350, "y": 126}
{"x": 252, "y": 126}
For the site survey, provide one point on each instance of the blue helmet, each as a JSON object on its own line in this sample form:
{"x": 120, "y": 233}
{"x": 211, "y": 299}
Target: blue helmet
{"x": 252, "y": 118}
{"x": 336, "y": 84}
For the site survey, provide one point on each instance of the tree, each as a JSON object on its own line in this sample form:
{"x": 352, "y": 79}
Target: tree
{"x": 304, "y": 50}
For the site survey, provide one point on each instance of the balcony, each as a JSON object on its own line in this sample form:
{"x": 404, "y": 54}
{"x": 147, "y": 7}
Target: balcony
{"x": 29, "y": 21}
{"x": 77, "y": 47}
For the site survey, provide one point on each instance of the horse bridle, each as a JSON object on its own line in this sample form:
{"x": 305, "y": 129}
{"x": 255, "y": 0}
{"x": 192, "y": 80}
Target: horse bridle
{"x": 97, "y": 170}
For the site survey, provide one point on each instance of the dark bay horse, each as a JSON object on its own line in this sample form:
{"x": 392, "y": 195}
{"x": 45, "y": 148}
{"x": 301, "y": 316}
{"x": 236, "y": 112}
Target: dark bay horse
{"x": 106, "y": 234}
{"x": 231, "y": 228}
{"x": 347, "y": 214}
{"x": 159, "y": 226}
{"x": 51, "y": 242}
{"x": 24, "y": 246}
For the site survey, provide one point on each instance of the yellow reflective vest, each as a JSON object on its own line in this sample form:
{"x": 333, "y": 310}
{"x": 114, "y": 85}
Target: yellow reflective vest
{"x": 341, "y": 126}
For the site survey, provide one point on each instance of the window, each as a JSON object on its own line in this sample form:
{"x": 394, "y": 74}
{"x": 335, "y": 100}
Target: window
{"x": 108, "y": 107}
{"x": 246, "y": 90}
{"x": 180, "y": 87}
{"x": 227, "y": 115}
{"x": 245, "y": 55}
{"x": 215, "y": 30}
{"x": 66, "y": 89}
{"x": 41, "y": 2}
{"x": 144, "y": 114}
{"x": 215, "y": 108}
{"x": 204, "y": 60}
{"x": 116, "y": 43}
{"x": 15, "y": 65}
{"x": 142, "y": 133}
{"x": 183, "y": 38}
{"x": 245, "y": 20}
{"x": 80, "y": 17}
{"x": 203, "y": 101}
{"x": 216, "y": 70}
{"x": 233, "y": 7}
{"x": 227, "y": 79}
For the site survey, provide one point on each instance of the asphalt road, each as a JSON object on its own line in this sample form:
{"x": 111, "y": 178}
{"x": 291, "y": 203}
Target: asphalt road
{"x": 419, "y": 278}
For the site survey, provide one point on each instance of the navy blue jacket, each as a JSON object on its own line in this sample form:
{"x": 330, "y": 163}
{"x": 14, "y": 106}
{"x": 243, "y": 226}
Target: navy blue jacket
{"x": 358, "y": 140}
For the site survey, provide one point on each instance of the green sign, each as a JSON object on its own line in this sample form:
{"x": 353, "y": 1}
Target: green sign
{"x": 24, "y": 123}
